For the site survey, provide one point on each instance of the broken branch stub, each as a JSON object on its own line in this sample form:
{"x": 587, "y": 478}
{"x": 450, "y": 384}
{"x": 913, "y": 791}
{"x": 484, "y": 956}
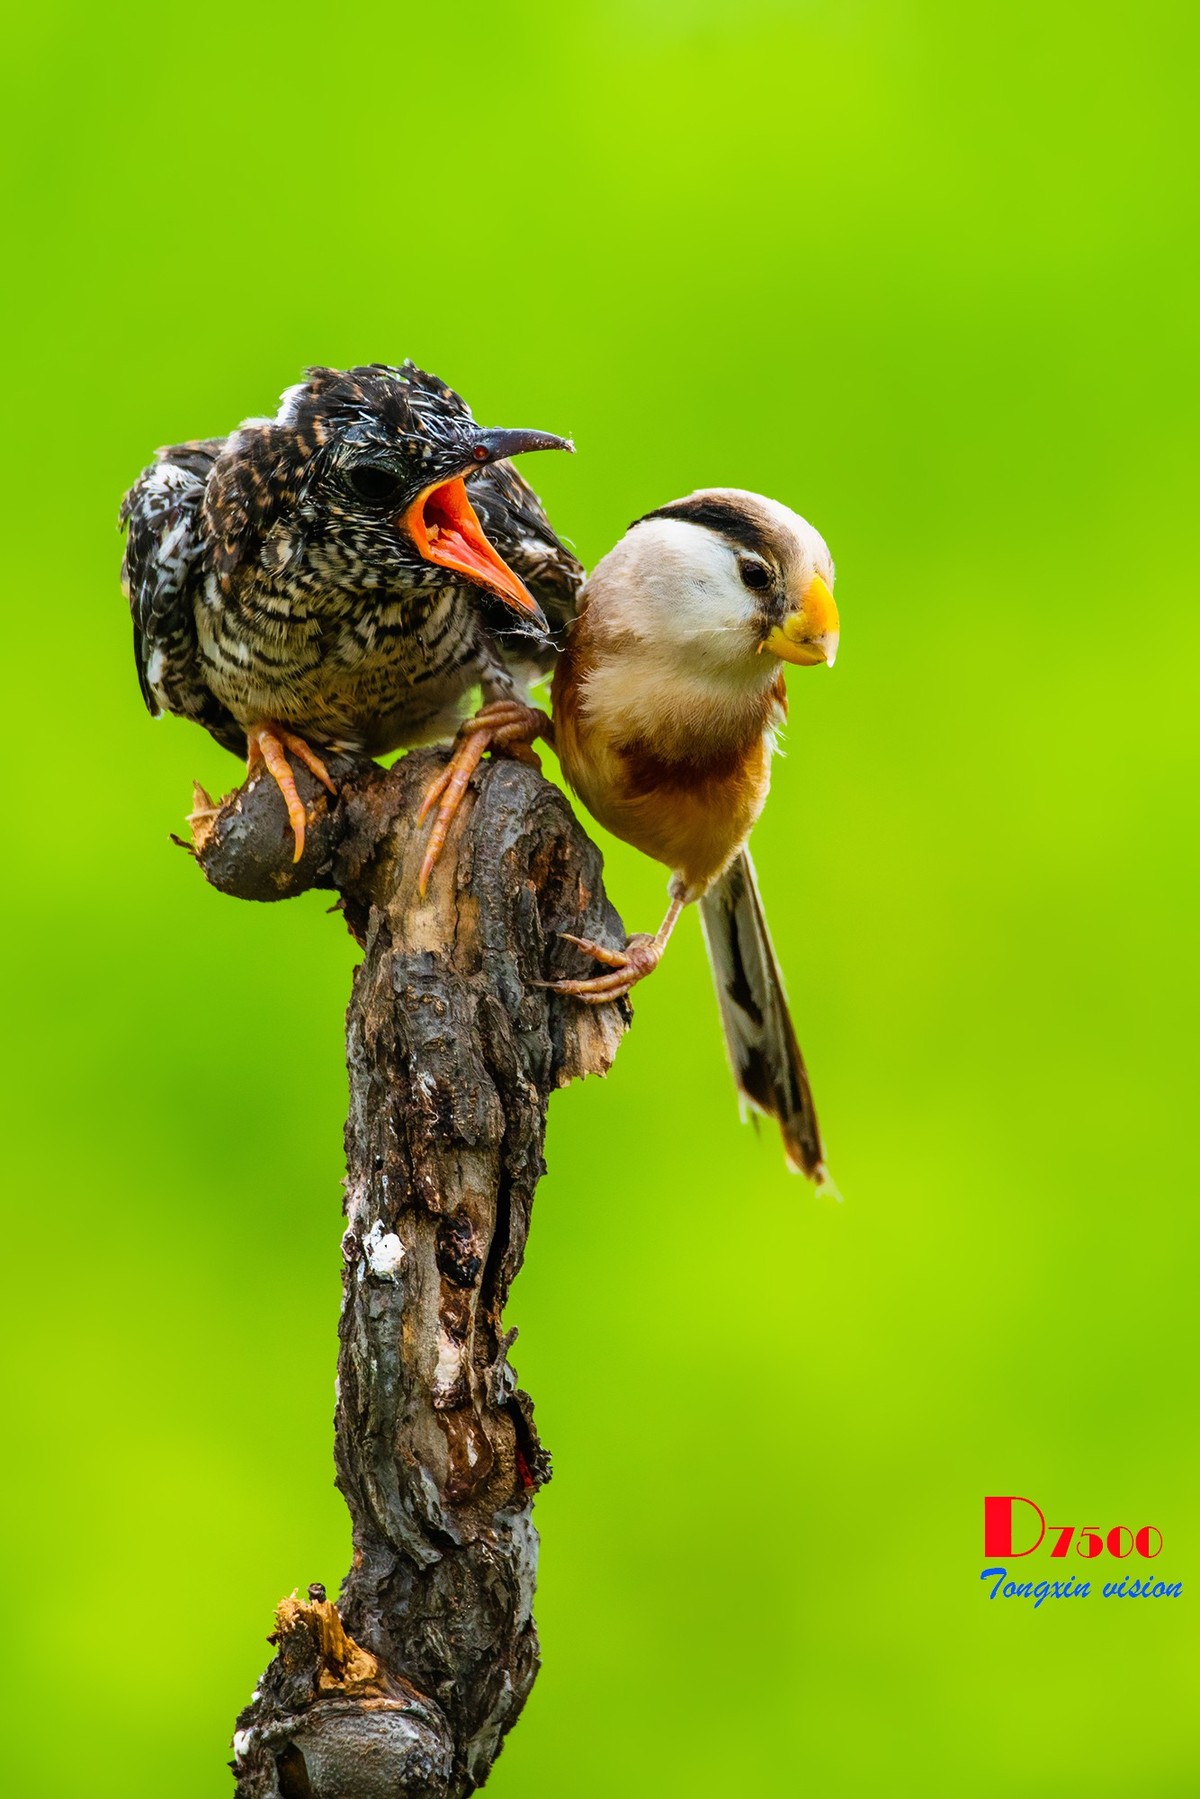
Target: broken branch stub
{"x": 409, "y": 1684}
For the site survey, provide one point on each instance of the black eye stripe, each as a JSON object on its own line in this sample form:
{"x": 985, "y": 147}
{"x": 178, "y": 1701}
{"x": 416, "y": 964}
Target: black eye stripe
{"x": 723, "y": 516}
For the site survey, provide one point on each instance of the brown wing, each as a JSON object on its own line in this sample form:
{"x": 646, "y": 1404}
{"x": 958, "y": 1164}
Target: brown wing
{"x": 515, "y": 521}
{"x": 162, "y": 575}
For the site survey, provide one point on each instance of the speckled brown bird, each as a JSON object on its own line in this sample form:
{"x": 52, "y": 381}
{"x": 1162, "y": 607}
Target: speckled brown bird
{"x": 342, "y": 575}
{"x": 666, "y": 702}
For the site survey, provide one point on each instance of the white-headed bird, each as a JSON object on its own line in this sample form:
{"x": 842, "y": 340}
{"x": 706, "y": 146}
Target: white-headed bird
{"x": 666, "y": 702}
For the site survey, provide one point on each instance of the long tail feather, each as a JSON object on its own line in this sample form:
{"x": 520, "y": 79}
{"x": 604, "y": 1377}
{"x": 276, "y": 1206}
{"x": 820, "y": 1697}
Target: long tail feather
{"x": 759, "y": 1034}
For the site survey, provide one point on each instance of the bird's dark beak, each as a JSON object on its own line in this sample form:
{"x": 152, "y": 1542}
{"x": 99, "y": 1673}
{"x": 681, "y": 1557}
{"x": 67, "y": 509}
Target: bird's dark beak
{"x": 444, "y": 526}
{"x": 517, "y": 443}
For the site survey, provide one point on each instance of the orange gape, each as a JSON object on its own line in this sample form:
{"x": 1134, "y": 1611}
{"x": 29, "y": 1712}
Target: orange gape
{"x": 445, "y": 529}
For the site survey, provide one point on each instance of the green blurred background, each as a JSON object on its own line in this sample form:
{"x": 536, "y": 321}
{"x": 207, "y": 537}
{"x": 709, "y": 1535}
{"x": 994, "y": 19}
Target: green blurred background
{"x": 924, "y": 272}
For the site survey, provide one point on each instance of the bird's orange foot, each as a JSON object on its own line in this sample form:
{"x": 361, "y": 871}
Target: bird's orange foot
{"x": 507, "y": 725}
{"x": 640, "y": 957}
{"x": 271, "y": 745}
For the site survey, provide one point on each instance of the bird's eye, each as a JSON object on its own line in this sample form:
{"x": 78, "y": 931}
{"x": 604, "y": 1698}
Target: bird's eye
{"x": 372, "y": 483}
{"x": 754, "y": 574}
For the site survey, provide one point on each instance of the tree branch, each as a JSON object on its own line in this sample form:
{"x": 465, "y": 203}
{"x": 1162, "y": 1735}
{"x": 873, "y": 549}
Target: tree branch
{"x": 409, "y": 1684}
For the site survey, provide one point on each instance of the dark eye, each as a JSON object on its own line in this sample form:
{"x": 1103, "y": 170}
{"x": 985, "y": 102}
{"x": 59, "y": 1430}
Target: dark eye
{"x": 372, "y": 483}
{"x": 754, "y": 574}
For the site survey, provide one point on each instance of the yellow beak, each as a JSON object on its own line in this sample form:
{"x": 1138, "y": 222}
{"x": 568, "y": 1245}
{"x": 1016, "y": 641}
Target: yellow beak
{"x": 810, "y": 634}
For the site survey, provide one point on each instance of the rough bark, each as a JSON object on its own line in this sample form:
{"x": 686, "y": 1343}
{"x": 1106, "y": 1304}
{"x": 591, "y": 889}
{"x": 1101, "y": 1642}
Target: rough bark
{"x": 408, "y": 1685}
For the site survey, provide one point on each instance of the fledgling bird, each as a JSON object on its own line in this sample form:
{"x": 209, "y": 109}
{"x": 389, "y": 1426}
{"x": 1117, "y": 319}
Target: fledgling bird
{"x": 666, "y": 701}
{"x": 340, "y": 577}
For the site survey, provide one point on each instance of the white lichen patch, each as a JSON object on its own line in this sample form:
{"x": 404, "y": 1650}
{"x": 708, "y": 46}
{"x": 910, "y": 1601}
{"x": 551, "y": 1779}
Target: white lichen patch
{"x": 384, "y": 1251}
{"x": 449, "y": 1363}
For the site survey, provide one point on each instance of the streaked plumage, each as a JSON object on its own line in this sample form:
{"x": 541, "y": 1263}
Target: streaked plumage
{"x": 288, "y": 576}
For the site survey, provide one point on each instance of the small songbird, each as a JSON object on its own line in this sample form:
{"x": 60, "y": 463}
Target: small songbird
{"x": 666, "y": 701}
{"x": 342, "y": 575}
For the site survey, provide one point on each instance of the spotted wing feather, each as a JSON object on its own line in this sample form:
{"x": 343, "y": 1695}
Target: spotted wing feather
{"x": 515, "y": 522}
{"x": 161, "y": 575}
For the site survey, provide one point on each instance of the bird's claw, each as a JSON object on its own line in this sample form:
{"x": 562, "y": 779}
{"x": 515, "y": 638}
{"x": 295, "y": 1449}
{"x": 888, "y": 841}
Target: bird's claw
{"x": 507, "y": 725}
{"x": 271, "y": 745}
{"x": 640, "y": 957}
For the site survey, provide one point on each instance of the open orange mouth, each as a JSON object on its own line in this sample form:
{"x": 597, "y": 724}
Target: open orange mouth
{"x": 443, "y": 525}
